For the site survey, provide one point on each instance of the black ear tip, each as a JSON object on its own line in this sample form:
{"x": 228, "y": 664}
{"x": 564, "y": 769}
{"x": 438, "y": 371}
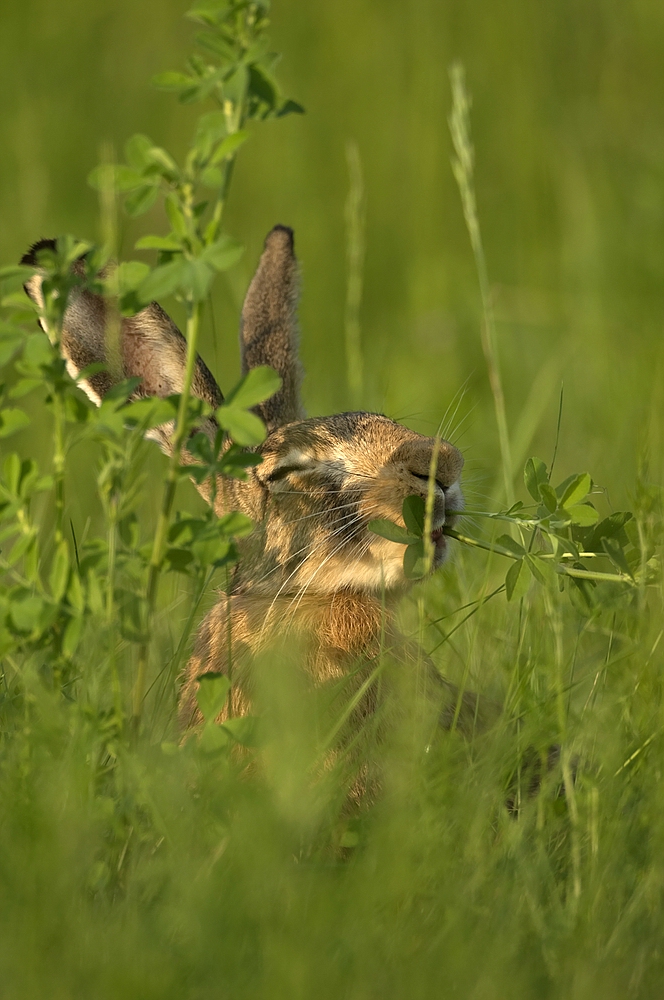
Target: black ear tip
{"x": 29, "y": 259}
{"x": 280, "y": 236}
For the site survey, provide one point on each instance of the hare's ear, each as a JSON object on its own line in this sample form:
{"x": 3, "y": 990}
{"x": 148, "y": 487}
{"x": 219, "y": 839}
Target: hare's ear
{"x": 151, "y": 346}
{"x": 268, "y": 331}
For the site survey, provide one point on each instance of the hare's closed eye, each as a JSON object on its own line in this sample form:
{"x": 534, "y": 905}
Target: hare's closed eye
{"x": 425, "y": 478}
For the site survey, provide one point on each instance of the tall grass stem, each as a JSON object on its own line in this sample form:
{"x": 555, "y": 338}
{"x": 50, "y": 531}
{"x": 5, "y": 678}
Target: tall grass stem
{"x": 355, "y": 251}
{"x": 463, "y": 167}
{"x": 170, "y": 484}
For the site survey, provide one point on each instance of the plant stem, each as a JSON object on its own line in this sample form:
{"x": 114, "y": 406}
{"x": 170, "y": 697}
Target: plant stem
{"x": 429, "y": 544}
{"x": 463, "y": 171}
{"x": 355, "y": 247}
{"x": 59, "y": 464}
{"x": 580, "y": 574}
{"x": 172, "y": 475}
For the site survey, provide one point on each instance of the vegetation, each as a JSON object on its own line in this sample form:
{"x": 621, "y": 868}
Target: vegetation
{"x": 525, "y": 861}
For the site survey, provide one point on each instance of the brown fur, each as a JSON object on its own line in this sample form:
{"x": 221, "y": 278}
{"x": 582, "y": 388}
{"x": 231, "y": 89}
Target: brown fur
{"x": 312, "y": 571}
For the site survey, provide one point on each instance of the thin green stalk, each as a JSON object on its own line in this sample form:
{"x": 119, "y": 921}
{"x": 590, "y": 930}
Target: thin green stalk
{"x": 429, "y": 544}
{"x": 59, "y": 464}
{"x": 565, "y": 756}
{"x": 580, "y": 574}
{"x": 170, "y": 484}
{"x": 463, "y": 167}
{"x": 110, "y": 603}
{"x": 355, "y": 248}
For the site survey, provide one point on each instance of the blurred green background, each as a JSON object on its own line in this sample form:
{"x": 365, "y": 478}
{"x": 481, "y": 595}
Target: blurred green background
{"x": 567, "y": 119}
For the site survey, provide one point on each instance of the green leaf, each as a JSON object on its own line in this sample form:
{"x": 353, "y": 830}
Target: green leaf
{"x": 244, "y": 427}
{"x": 517, "y": 580}
{"x": 535, "y": 475}
{"x": 109, "y": 177}
{"x": 75, "y": 594}
{"x": 27, "y": 612}
{"x": 38, "y": 351}
{"x": 236, "y": 524}
{"x": 16, "y": 271}
{"x": 257, "y": 385}
{"x": 172, "y": 81}
{"x": 24, "y": 386}
{"x": 176, "y": 216}
{"x": 393, "y": 532}
{"x": 413, "y": 512}
{"x": 141, "y": 200}
{"x": 229, "y": 146}
{"x": 263, "y": 85}
{"x": 211, "y": 128}
{"x": 208, "y": 11}
{"x": 244, "y": 729}
{"x": 577, "y": 490}
{"x": 179, "y": 560}
{"x": 212, "y": 693}
{"x": 12, "y": 472}
{"x": 290, "y": 108}
{"x": 212, "y": 178}
{"x": 130, "y": 274}
{"x": 21, "y": 548}
{"x": 136, "y": 150}
{"x": 507, "y": 542}
{"x": 583, "y": 514}
{"x": 611, "y": 527}
{"x": 213, "y": 738}
{"x": 414, "y": 561}
{"x": 59, "y": 575}
{"x": 164, "y": 280}
{"x": 542, "y": 569}
{"x": 549, "y": 498}
{"x": 72, "y": 636}
{"x": 11, "y": 421}
{"x": 158, "y": 243}
{"x": 211, "y": 550}
{"x": 201, "y": 275}
{"x": 8, "y": 348}
{"x": 614, "y": 551}
{"x": 222, "y": 255}
{"x": 151, "y": 411}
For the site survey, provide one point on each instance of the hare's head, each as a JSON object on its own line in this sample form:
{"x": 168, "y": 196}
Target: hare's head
{"x": 323, "y": 479}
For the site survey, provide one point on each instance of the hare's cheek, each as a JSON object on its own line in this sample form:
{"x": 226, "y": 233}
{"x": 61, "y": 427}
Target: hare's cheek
{"x": 454, "y": 503}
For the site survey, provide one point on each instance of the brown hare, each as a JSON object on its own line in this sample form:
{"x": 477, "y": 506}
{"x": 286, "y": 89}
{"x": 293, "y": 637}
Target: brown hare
{"x": 312, "y": 569}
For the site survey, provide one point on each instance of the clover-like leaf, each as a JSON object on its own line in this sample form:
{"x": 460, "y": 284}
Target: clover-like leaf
{"x": 257, "y": 385}
{"x": 391, "y": 531}
{"x": 549, "y": 498}
{"x": 244, "y": 427}
{"x": 614, "y": 551}
{"x": 12, "y": 420}
{"x": 583, "y": 514}
{"x": 414, "y": 515}
{"x": 415, "y": 561}
{"x": 244, "y": 729}
{"x": 509, "y": 543}
{"x": 517, "y": 580}
{"x": 212, "y": 693}
{"x": 535, "y": 475}
{"x": 576, "y": 490}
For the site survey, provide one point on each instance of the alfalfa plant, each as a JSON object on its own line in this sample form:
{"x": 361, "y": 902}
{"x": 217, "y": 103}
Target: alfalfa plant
{"x": 55, "y": 585}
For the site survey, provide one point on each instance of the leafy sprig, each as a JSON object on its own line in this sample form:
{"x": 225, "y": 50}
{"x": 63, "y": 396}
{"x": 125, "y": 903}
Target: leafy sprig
{"x": 560, "y": 540}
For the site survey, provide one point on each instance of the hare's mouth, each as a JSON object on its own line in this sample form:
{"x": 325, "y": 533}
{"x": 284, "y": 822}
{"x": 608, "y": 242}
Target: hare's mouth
{"x": 440, "y": 542}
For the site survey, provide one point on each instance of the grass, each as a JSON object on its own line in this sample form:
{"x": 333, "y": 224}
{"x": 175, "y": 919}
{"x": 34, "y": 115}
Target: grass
{"x": 145, "y": 870}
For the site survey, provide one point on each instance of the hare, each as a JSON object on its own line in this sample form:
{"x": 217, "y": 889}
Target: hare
{"x": 312, "y": 569}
